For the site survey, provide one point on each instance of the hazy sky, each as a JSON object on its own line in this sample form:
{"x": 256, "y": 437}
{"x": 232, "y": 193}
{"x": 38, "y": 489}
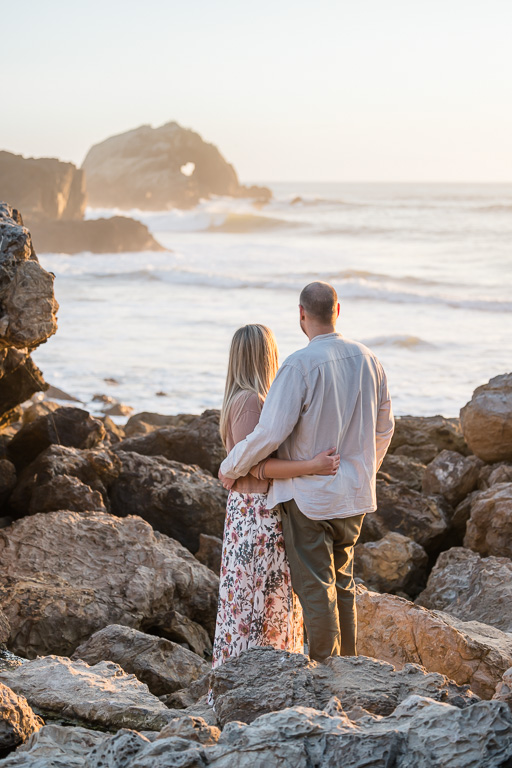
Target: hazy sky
{"x": 384, "y": 90}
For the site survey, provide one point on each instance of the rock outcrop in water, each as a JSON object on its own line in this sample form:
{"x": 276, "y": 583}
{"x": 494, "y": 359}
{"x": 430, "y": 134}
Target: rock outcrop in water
{"x": 144, "y": 168}
{"x": 52, "y": 196}
{"x": 28, "y": 312}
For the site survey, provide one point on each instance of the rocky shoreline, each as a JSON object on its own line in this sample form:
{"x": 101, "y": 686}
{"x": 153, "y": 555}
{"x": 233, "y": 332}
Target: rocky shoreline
{"x": 110, "y": 539}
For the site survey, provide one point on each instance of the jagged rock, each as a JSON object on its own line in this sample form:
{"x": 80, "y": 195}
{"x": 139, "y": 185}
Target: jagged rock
{"x": 42, "y": 187}
{"x": 188, "y": 633}
{"x": 263, "y": 680}
{"x": 117, "y": 234}
{"x": 210, "y": 552}
{"x": 197, "y": 442}
{"x": 421, "y": 732}
{"x": 101, "y": 695}
{"x": 142, "y": 169}
{"x": 491, "y": 474}
{"x": 403, "y": 469}
{"x": 28, "y": 311}
{"x": 64, "y": 575}
{"x": 37, "y": 409}
{"x": 17, "y": 721}
{"x": 471, "y": 587}
{"x": 178, "y": 500}
{"x": 400, "y": 632}
{"x": 164, "y": 666}
{"x": 71, "y": 427}
{"x": 504, "y": 688}
{"x": 7, "y": 480}
{"x": 56, "y": 746}
{"x": 65, "y": 478}
{"x": 59, "y": 394}
{"x": 400, "y": 509}
{"x": 115, "y": 433}
{"x": 142, "y": 423}
{"x": 5, "y": 628}
{"x": 489, "y": 528}
{"x": 423, "y": 437}
{"x": 452, "y": 475}
{"x": 118, "y": 409}
{"x": 487, "y": 420}
{"x": 459, "y": 518}
{"x": 395, "y": 563}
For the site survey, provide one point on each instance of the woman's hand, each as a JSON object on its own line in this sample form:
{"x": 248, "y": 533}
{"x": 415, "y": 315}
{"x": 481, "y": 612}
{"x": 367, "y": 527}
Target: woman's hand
{"x": 227, "y": 482}
{"x": 326, "y": 463}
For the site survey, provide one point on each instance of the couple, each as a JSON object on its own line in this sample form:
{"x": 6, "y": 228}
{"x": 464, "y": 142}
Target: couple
{"x": 304, "y": 443}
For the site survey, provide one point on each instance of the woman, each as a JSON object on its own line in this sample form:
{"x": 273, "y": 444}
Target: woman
{"x": 257, "y": 605}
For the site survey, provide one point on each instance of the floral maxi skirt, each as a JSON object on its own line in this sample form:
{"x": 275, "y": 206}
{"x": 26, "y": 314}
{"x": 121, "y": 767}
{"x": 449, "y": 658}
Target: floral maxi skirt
{"x": 257, "y": 605}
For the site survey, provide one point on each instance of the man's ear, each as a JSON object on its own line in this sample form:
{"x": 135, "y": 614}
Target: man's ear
{"x": 338, "y": 310}
{"x": 301, "y": 312}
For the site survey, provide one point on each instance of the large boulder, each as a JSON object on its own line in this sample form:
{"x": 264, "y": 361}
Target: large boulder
{"x": 394, "y": 563}
{"x": 400, "y": 632}
{"x": 147, "y": 421}
{"x": 423, "y": 437}
{"x": 264, "y": 680}
{"x": 210, "y": 552}
{"x": 28, "y": 312}
{"x": 65, "y": 478}
{"x": 471, "y": 587}
{"x": 142, "y": 168}
{"x": 64, "y": 575}
{"x": 72, "y": 427}
{"x": 179, "y": 500}
{"x": 17, "y": 720}
{"x": 402, "y": 510}
{"x": 491, "y": 474}
{"x": 101, "y": 695}
{"x": 487, "y": 420}
{"x": 198, "y": 442}
{"x": 402, "y": 469}
{"x": 57, "y": 746}
{"x": 452, "y": 476}
{"x": 489, "y": 528}
{"x": 163, "y": 665}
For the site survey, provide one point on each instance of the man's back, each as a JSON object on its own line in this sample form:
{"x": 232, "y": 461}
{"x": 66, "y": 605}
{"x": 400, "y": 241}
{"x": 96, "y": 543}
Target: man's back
{"x": 345, "y": 405}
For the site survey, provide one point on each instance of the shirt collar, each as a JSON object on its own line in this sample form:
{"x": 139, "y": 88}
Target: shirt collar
{"x": 322, "y": 336}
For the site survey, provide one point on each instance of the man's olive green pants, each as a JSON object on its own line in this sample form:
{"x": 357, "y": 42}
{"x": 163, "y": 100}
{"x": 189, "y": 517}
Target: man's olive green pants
{"x": 321, "y": 557}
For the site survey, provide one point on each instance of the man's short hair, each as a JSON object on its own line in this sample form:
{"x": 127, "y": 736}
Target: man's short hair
{"x": 320, "y": 301}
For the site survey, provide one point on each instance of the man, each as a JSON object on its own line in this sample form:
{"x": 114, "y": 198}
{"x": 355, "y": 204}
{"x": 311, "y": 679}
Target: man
{"x": 332, "y": 393}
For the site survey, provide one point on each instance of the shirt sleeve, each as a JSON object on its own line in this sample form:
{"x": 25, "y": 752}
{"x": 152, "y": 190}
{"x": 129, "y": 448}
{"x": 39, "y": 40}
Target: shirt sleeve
{"x": 385, "y": 421}
{"x": 281, "y": 411}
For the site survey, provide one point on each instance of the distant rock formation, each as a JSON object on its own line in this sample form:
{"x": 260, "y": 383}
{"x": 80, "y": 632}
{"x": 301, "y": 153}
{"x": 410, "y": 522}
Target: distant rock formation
{"x": 160, "y": 168}
{"x": 43, "y": 187}
{"x": 52, "y": 196}
{"x": 28, "y": 312}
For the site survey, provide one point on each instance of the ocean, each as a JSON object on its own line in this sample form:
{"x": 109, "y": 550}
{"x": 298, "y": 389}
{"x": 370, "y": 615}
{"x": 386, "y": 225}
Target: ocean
{"x": 423, "y": 273}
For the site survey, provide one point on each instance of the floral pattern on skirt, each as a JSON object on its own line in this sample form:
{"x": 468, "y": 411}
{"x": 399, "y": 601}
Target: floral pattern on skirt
{"x": 257, "y": 605}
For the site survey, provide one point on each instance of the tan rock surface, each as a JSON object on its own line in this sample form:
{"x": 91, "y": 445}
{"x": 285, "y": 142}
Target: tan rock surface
{"x": 163, "y": 665}
{"x": 487, "y": 420}
{"x": 101, "y": 695}
{"x": 452, "y": 475}
{"x": 471, "y": 588}
{"x": 504, "y": 688}
{"x": 263, "y": 680}
{"x": 17, "y": 720}
{"x": 423, "y": 437}
{"x": 489, "y": 528}
{"x": 64, "y": 575}
{"x": 403, "y": 469}
{"x": 394, "y": 563}
{"x": 400, "y": 632}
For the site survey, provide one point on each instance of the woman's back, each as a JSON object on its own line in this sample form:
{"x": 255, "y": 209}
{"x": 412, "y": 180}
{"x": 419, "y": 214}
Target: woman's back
{"x": 243, "y": 416}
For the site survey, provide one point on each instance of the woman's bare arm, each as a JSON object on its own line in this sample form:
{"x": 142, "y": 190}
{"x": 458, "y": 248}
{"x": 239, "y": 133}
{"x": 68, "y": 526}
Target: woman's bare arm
{"x": 324, "y": 463}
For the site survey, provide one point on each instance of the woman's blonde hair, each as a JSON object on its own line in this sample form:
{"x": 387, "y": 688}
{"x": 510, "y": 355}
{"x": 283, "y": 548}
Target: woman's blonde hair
{"x": 252, "y": 367}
